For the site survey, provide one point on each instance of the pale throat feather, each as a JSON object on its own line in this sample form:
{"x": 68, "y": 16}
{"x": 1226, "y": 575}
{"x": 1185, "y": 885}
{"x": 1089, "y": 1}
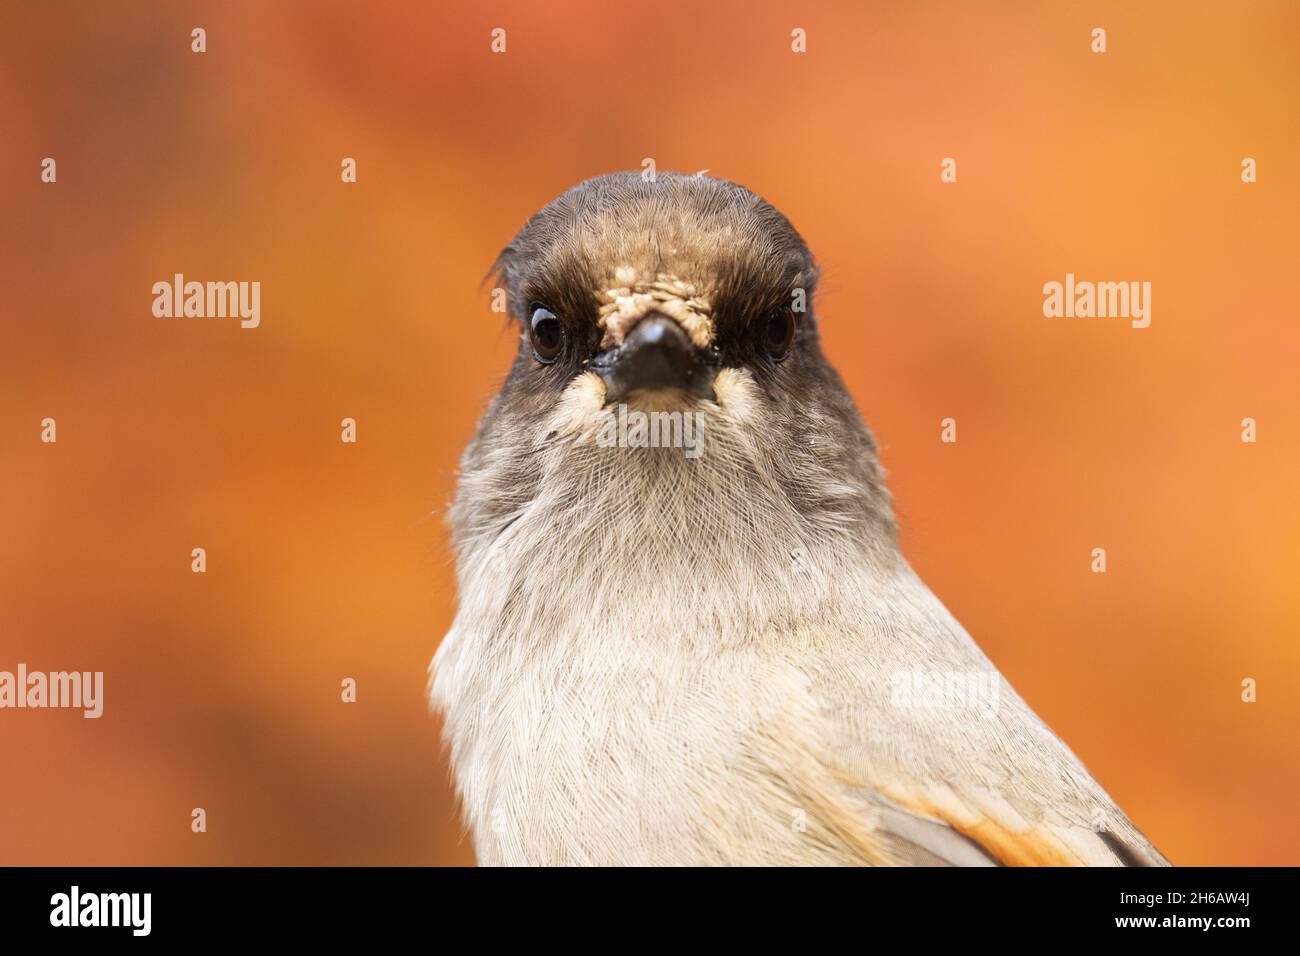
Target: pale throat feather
{"x": 685, "y": 522}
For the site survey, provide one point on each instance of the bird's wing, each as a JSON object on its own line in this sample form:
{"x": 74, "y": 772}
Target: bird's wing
{"x": 937, "y": 825}
{"x": 971, "y": 777}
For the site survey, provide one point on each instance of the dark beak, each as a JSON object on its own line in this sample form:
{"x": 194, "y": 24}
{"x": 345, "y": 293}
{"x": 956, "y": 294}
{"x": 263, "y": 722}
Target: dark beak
{"x": 657, "y": 353}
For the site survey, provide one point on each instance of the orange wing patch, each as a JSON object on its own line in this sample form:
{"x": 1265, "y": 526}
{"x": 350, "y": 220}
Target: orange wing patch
{"x": 997, "y": 827}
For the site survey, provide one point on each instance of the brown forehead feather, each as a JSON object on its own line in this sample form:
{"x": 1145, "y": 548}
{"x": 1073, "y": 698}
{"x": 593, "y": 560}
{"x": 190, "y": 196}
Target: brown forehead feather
{"x": 717, "y": 236}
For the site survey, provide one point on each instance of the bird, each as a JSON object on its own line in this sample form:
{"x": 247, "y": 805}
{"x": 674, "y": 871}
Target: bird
{"x": 660, "y": 659}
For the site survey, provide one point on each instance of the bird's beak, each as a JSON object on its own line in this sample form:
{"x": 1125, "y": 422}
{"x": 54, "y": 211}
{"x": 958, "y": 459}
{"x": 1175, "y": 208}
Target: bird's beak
{"x": 656, "y": 354}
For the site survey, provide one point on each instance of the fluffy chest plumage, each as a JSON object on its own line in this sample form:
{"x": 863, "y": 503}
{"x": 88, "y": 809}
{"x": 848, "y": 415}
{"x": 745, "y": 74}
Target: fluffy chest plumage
{"x": 609, "y": 753}
{"x": 626, "y": 680}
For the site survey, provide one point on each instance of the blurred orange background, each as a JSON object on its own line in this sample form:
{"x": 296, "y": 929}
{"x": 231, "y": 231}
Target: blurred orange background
{"x": 328, "y": 560}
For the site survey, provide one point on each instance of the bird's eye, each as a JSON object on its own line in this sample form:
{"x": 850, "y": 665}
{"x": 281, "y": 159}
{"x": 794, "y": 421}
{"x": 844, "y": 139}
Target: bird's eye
{"x": 546, "y": 334}
{"x": 776, "y": 332}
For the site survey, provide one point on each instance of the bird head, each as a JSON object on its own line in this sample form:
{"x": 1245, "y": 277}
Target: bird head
{"x": 655, "y": 287}
{"x": 684, "y": 294}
